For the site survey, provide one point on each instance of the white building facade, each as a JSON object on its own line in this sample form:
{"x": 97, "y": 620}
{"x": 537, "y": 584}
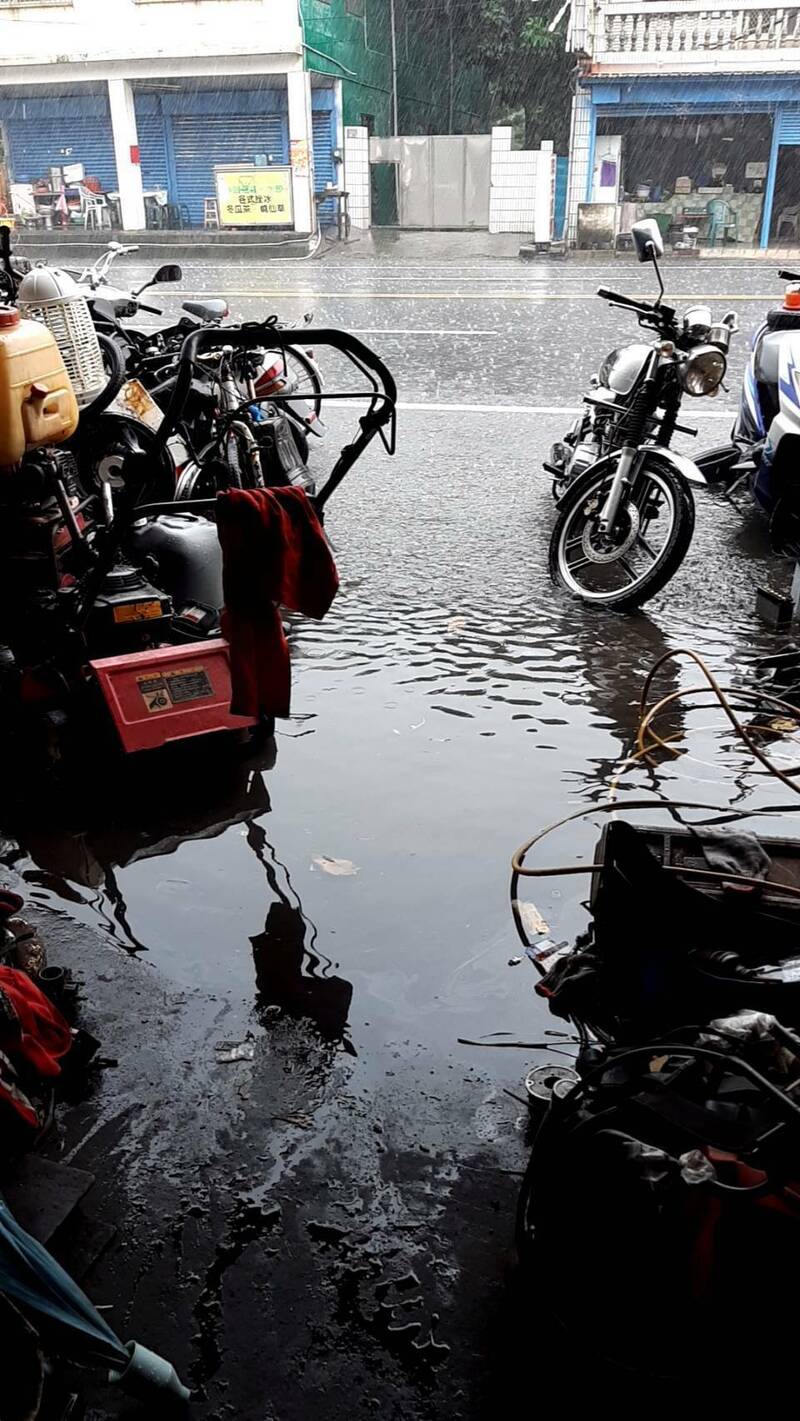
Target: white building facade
{"x": 691, "y": 113}
{"x": 149, "y": 95}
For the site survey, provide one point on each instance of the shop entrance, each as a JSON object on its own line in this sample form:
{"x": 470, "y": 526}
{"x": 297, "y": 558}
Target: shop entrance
{"x": 785, "y": 226}
{"x": 705, "y": 172}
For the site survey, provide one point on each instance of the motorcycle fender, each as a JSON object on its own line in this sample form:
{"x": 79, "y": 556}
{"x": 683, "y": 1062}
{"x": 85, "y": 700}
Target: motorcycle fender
{"x": 685, "y": 468}
{"x": 785, "y": 422}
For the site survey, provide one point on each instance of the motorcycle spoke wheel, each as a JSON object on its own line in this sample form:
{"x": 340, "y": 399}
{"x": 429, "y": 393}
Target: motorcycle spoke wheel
{"x": 305, "y": 381}
{"x": 650, "y": 538}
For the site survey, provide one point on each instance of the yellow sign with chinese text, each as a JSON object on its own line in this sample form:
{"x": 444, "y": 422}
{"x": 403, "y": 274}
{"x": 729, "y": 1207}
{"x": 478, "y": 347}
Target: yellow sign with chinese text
{"x": 254, "y": 197}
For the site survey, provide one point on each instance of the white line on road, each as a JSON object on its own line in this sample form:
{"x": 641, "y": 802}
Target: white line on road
{"x": 331, "y": 296}
{"x": 412, "y": 331}
{"x": 566, "y": 410}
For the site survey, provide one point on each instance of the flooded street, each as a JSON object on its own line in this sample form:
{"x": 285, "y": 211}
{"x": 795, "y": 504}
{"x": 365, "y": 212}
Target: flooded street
{"x": 450, "y": 705}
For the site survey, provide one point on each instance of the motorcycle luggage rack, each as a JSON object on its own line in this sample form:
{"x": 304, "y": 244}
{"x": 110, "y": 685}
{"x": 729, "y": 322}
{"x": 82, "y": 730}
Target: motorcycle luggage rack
{"x": 380, "y": 417}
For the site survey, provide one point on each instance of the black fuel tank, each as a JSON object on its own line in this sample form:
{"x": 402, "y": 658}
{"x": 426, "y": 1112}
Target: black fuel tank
{"x": 187, "y": 558}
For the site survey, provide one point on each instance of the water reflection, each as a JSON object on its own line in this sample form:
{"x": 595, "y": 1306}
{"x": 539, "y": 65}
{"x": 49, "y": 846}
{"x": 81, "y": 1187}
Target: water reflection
{"x": 148, "y": 814}
{"x": 291, "y": 972}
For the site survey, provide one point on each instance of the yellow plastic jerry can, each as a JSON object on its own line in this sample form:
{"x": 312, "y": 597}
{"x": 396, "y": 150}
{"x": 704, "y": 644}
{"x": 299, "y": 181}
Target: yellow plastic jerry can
{"x": 37, "y": 403}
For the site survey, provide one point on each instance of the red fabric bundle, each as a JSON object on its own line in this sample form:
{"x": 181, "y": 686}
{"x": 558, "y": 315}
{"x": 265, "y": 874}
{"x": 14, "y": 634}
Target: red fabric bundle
{"x": 41, "y": 1034}
{"x": 33, "y": 1037}
{"x": 274, "y": 554}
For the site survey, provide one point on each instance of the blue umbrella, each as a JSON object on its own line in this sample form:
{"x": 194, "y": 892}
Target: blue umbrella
{"x": 31, "y": 1277}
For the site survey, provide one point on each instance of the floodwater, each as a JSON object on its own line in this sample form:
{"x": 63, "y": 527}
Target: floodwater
{"x": 311, "y": 1182}
{"x": 451, "y": 704}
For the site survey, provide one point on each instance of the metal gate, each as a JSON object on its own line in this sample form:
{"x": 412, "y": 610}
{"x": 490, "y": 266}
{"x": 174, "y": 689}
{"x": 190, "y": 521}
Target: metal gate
{"x": 201, "y": 140}
{"x": 442, "y": 181}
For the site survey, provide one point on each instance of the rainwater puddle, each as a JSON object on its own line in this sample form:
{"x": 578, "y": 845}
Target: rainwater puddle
{"x": 450, "y": 706}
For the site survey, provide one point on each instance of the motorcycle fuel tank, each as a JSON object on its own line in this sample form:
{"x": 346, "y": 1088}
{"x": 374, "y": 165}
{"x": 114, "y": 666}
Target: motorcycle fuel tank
{"x": 622, "y": 367}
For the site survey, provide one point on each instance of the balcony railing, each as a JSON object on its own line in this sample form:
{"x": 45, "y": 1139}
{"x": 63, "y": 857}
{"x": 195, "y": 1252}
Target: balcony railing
{"x": 741, "y": 35}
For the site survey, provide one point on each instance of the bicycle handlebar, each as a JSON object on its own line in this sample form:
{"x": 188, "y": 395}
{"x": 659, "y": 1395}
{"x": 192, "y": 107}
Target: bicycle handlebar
{"x": 254, "y": 335}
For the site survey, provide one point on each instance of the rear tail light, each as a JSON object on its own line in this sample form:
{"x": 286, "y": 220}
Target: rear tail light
{"x": 271, "y": 381}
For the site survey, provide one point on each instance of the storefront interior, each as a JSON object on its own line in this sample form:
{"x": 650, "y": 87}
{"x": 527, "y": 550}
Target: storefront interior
{"x": 702, "y": 175}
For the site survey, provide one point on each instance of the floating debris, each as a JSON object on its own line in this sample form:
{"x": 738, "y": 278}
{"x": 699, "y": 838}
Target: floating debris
{"x": 337, "y": 868}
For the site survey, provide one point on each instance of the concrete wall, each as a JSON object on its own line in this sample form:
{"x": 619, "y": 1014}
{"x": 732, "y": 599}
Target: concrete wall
{"x": 120, "y": 38}
{"x": 522, "y": 192}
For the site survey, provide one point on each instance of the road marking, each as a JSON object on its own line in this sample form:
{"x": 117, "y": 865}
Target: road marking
{"x": 569, "y": 411}
{"x": 413, "y": 331}
{"x": 685, "y": 296}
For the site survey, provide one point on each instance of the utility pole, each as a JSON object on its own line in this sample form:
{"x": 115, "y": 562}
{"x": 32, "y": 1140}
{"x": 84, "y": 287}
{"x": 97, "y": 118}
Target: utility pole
{"x": 450, "y": 87}
{"x": 393, "y": 25}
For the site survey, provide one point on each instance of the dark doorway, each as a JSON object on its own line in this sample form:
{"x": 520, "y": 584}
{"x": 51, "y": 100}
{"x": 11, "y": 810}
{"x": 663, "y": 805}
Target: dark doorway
{"x": 383, "y": 182}
{"x": 786, "y": 202}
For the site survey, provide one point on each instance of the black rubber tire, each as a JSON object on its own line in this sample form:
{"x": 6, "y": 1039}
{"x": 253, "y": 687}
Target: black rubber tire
{"x": 114, "y": 362}
{"x": 233, "y": 461}
{"x": 666, "y": 565}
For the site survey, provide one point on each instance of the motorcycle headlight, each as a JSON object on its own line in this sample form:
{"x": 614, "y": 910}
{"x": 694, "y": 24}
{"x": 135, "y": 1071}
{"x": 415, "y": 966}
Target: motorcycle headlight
{"x": 704, "y": 371}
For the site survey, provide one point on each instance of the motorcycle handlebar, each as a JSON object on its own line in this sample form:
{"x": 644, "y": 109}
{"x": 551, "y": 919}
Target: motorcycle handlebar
{"x": 789, "y": 276}
{"x": 619, "y": 300}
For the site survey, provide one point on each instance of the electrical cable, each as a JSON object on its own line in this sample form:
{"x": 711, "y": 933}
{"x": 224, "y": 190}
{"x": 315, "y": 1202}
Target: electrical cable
{"x": 647, "y": 741}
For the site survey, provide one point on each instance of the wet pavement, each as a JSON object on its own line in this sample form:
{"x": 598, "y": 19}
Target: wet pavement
{"x": 327, "y": 1221}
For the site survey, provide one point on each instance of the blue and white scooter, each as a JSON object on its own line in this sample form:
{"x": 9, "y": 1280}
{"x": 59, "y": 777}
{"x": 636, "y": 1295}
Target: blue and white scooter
{"x": 765, "y": 447}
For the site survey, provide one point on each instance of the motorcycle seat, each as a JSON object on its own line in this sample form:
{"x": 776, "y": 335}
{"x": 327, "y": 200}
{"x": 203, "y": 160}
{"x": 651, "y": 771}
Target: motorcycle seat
{"x": 210, "y": 310}
{"x": 780, "y": 320}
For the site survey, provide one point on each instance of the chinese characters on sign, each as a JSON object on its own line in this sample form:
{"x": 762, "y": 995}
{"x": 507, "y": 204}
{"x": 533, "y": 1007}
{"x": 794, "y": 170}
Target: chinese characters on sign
{"x": 254, "y": 197}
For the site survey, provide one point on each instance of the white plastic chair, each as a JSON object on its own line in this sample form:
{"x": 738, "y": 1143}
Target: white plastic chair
{"x": 789, "y": 217}
{"x": 94, "y": 208}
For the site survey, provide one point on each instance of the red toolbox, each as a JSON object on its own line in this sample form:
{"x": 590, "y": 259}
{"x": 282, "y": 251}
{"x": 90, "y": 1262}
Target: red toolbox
{"x": 170, "y": 693}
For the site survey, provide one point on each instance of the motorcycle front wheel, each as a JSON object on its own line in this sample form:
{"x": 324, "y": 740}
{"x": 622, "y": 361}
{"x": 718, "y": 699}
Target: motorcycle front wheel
{"x": 651, "y": 537}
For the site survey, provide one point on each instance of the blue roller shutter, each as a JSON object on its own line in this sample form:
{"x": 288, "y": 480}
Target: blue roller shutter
{"x": 560, "y": 198}
{"x": 43, "y": 133}
{"x": 153, "y": 150}
{"x": 789, "y": 126}
{"x": 324, "y": 167}
{"x": 201, "y": 140}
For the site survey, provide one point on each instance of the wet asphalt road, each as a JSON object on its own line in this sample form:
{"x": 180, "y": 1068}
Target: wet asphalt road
{"x": 280, "y": 1216}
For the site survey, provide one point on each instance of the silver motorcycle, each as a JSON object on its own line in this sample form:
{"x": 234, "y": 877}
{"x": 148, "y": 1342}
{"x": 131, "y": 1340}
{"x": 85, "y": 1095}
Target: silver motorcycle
{"x": 625, "y": 508}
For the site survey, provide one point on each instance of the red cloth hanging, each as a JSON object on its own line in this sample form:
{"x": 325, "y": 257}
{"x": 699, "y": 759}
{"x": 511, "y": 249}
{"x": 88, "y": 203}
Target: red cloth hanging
{"x": 274, "y": 554}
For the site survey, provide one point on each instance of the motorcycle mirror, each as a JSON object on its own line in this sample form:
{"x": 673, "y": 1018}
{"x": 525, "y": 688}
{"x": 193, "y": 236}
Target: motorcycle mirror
{"x": 168, "y": 273}
{"x": 647, "y": 239}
